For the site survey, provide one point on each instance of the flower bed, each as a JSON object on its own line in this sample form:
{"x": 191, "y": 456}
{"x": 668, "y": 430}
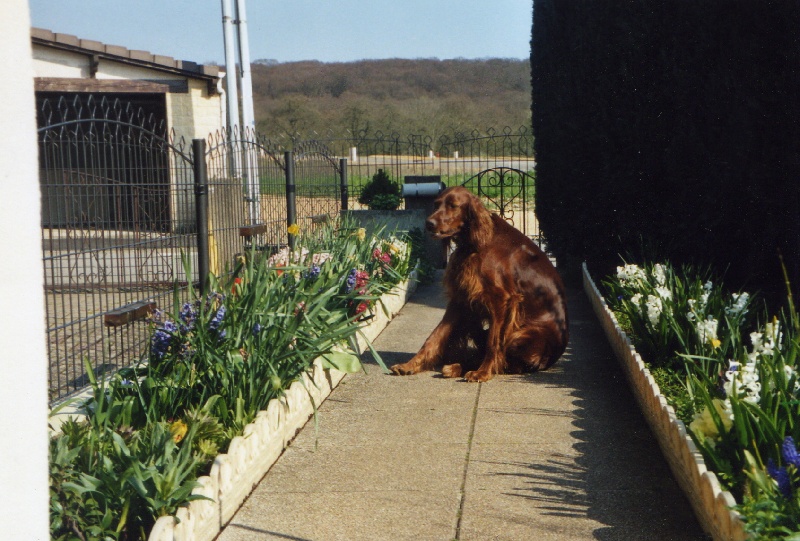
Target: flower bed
{"x": 739, "y": 401}
{"x": 711, "y": 504}
{"x": 236, "y": 372}
{"x": 235, "y": 474}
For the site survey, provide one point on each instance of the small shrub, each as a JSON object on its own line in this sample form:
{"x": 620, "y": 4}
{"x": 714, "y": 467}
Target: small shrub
{"x": 381, "y": 193}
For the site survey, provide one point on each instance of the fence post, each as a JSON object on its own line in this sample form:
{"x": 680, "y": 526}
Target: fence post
{"x": 291, "y": 196}
{"x": 201, "y": 211}
{"x": 343, "y": 182}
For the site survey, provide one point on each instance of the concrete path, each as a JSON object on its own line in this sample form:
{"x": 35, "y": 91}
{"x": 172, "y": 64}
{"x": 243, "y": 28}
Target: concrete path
{"x": 559, "y": 455}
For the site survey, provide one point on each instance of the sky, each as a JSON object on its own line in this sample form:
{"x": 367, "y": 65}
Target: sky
{"x": 292, "y": 30}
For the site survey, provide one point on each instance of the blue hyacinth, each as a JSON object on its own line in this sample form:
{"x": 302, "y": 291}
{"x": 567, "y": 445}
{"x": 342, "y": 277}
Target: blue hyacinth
{"x": 188, "y": 315}
{"x": 789, "y": 452}
{"x": 256, "y": 329}
{"x": 313, "y": 272}
{"x": 162, "y": 338}
{"x": 350, "y": 283}
{"x": 781, "y": 476}
{"x": 217, "y": 319}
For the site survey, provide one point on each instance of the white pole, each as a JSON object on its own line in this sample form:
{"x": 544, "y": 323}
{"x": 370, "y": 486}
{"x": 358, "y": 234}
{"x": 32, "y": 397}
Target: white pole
{"x": 228, "y": 33}
{"x": 248, "y": 115}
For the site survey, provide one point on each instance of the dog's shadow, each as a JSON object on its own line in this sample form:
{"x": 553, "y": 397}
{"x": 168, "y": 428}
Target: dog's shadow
{"x": 468, "y": 357}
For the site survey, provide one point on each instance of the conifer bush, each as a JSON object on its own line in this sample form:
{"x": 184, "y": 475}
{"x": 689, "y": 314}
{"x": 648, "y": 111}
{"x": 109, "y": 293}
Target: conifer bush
{"x": 381, "y": 192}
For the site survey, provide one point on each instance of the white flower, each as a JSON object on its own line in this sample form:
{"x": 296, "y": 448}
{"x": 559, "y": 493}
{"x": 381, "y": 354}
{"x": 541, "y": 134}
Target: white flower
{"x": 764, "y": 343}
{"x": 738, "y": 305}
{"x": 397, "y": 246}
{"x": 654, "y": 309}
{"x": 659, "y": 274}
{"x": 790, "y": 374}
{"x": 664, "y": 292}
{"x": 631, "y": 276}
{"x": 637, "y": 299}
{"x": 744, "y": 381}
{"x": 707, "y": 331}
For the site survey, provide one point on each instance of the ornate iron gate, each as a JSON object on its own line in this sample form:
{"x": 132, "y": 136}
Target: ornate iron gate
{"x": 508, "y": 192}
{"x": 118, "y": 216}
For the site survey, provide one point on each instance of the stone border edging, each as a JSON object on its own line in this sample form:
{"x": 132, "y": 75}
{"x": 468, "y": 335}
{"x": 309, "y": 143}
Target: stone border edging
{"x": 235, "y": 474}
{"x": 712, "y": 506}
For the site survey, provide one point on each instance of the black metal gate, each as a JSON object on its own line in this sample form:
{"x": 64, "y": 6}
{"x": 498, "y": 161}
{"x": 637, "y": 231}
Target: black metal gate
{"x": 117, "y": 221}
{"x": 508, "y": 192}
{"x": 498, "y": 165}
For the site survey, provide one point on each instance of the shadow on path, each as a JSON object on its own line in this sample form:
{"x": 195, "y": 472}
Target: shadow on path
{"x": 612, "y": 472}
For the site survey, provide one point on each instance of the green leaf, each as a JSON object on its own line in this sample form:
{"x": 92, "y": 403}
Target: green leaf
{"x": 374, "y": 352}
{"x": 343, "y": 361}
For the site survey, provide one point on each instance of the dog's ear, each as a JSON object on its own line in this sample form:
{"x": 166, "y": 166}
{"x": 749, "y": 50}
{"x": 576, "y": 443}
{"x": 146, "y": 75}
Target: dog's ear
{"x": 480, "y": 222}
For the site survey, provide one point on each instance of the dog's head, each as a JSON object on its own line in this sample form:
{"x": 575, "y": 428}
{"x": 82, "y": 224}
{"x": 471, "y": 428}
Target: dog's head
{"x": 460, "y": 215}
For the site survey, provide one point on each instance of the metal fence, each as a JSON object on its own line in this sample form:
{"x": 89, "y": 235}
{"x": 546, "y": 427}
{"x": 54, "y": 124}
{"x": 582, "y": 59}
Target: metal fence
{"x": 131, "y": 217}
{"x": 129, "y": 221}
{"x": 456, "y": 158}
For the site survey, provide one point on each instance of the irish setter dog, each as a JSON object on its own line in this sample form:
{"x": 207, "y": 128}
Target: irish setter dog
{"x": 504, "y": 296}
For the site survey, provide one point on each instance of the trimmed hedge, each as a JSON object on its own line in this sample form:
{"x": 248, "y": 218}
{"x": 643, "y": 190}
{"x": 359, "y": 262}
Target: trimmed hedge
{"x": 669, "y": 129}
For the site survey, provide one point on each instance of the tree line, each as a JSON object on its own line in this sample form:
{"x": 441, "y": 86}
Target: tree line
{"x": 421, "y": 96}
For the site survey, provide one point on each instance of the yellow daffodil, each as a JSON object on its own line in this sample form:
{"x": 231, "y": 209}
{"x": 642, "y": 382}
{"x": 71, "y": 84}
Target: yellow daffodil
{"x": 704, "y": 426}
{"x": 294, "y": 229}
{"x": 178, "y": 430}
{"x": 361, "y": 233}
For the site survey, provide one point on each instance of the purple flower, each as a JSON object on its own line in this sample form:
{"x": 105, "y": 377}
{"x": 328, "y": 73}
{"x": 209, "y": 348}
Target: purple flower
{"x": 789, "y": 452}
{"x": 217, "y": 319}
{"x": 256, "y": 329}
{"x": 313, "y": 272}
{"x": 188, "y": 315}
{"x": 160, "y": 341}
{"x": 781, "y": 476}
{"x": 351, "y": 280}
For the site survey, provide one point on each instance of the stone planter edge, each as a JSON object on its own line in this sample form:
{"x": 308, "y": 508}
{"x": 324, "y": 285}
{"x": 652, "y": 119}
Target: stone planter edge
{"x": 235, "y": 474}
{"x": 712, "y": 506}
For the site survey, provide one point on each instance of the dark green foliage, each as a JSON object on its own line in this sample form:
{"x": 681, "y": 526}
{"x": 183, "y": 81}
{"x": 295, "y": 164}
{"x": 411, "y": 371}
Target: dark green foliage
{"x": 669, "y": 128}
{"x": 381, "y": 193}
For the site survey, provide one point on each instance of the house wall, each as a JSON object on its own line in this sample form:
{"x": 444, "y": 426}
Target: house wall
{"x": 194, "y": 114}
{"x": 23, "y": 389}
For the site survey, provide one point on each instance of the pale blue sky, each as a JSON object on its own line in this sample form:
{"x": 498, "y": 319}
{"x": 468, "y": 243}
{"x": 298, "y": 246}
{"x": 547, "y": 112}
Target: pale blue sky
{"x": 289, "y": 30}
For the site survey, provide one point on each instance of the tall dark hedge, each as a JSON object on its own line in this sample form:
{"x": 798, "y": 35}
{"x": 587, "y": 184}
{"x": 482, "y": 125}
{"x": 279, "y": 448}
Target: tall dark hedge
{"x": 669, "y": 129}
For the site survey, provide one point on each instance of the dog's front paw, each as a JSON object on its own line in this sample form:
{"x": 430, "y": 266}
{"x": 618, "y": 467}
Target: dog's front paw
{"x": 451, "y": 370}
{"x": 404, "y": 369}
{"x": 478, "y": 375}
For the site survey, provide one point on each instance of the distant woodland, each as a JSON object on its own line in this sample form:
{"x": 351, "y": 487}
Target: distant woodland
{"x": 424, "y": 96}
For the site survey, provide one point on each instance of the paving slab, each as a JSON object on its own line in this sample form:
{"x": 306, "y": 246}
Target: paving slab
{"x": 559, "y": 455}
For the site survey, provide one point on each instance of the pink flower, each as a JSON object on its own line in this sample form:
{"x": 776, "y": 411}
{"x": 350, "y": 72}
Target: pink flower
{"x": 362, "y": 277}
{"x": 383, "y": 257}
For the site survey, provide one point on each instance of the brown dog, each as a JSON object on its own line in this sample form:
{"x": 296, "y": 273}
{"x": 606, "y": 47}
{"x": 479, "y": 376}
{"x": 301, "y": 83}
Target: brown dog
{"x": 504, "y": 295}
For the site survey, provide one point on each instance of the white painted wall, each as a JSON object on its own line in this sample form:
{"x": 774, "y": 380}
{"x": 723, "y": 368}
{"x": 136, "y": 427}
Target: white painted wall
{"x": 50, "y": 62}
{"x": 23, "y": 387}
